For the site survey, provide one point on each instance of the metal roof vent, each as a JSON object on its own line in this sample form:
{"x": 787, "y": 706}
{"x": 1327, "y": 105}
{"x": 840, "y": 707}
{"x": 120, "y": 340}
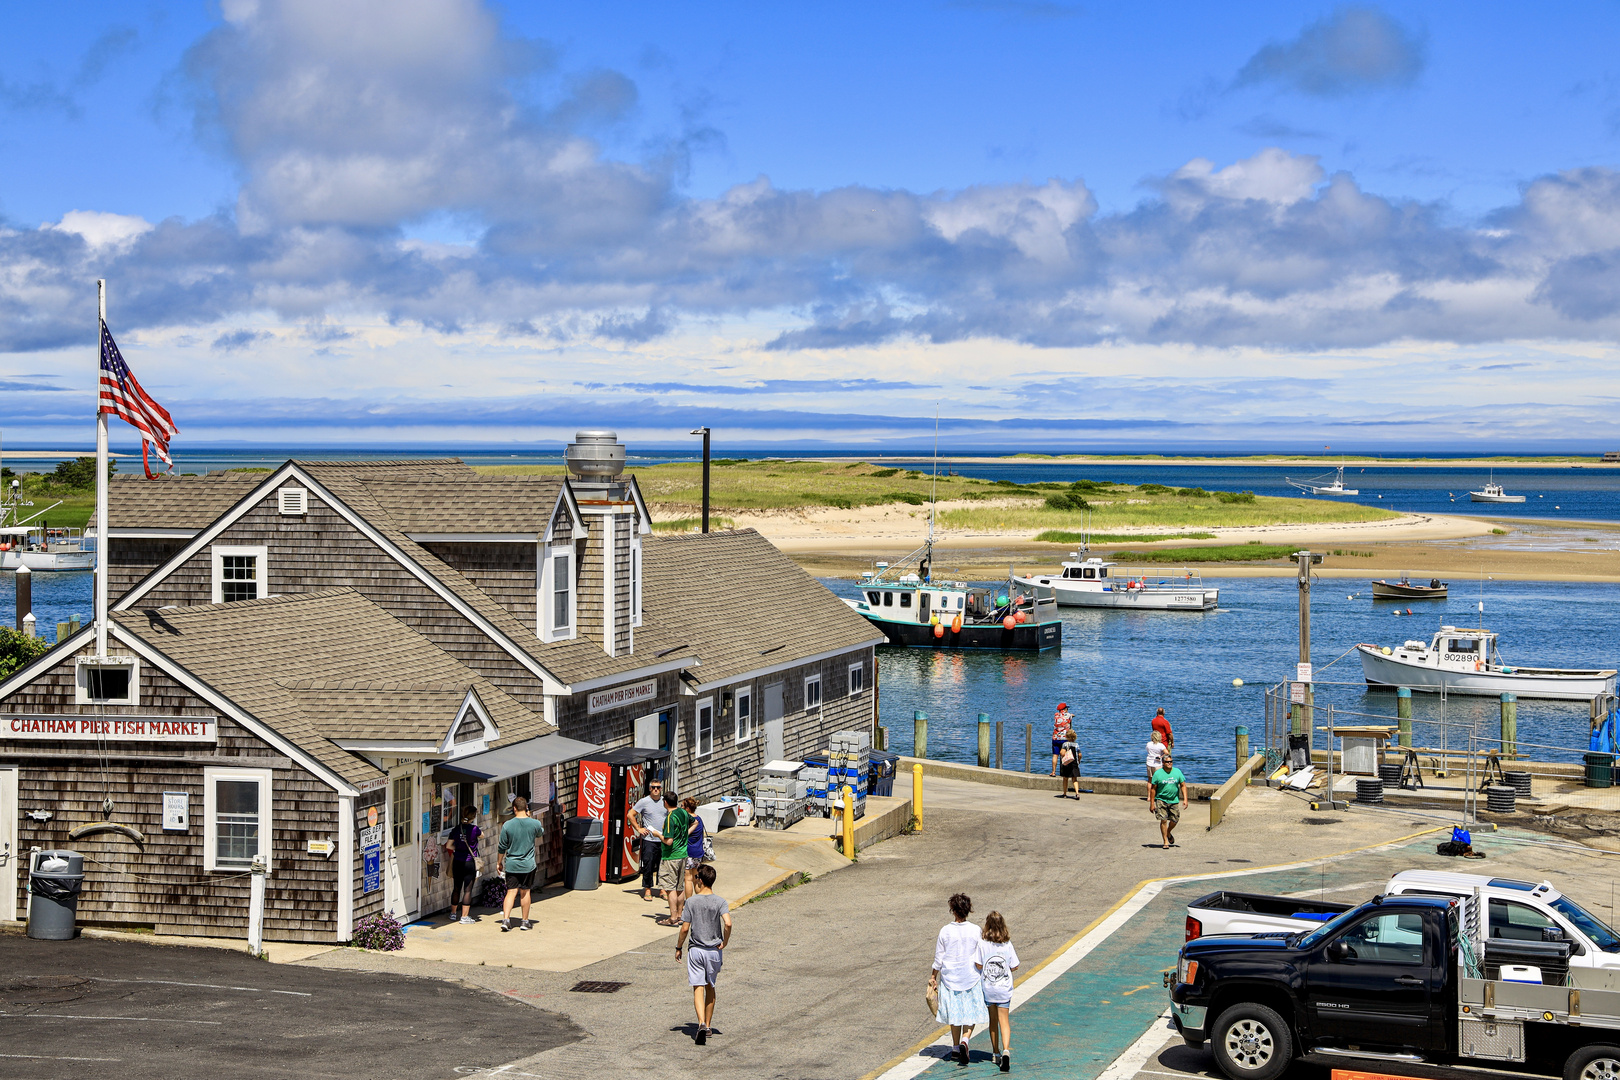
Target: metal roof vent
{"x": 595, "y": 455}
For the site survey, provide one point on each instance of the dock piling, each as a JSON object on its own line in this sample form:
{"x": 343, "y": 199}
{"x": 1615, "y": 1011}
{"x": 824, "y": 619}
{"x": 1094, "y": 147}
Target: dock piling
{"x": 1029, "y": 742}
{"x": 1242, "y": 734}
{"x": 1510, "y": 726}
{"x": 25, "y": 594}
{"x": 919, "y": 737}
{"x": 1000, "y": 759}
{"x": 1403, "y": 712}
{"x": 984, "y": 740}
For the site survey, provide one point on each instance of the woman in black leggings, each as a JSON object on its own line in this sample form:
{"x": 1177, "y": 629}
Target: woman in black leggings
{"x": 462, "y": 846}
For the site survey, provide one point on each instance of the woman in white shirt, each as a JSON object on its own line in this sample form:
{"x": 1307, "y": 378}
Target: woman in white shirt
{"x": 956, "y": 975}
{"x": 1155, "y": 754}
{"x": 997, "y": 962}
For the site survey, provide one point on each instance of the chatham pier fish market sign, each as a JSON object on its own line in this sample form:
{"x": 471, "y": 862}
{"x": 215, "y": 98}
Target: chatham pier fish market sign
{"x": 54, "y": 727}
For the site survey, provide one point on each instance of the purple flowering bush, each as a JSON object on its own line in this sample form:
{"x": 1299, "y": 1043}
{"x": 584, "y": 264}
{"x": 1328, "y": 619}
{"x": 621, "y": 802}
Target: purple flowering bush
{"x": 381, "y": 932}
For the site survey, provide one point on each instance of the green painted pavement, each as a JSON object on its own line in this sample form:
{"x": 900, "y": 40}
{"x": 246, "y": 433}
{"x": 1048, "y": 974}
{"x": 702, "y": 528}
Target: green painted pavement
{"x": 1076, "y": 1026}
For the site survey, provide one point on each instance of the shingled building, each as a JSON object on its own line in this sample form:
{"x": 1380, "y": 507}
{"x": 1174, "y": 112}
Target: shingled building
{"x": 324, "y": 664}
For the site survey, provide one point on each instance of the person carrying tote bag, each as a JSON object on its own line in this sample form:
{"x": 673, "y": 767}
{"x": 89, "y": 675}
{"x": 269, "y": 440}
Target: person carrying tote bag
{"x": 956, "y": 977}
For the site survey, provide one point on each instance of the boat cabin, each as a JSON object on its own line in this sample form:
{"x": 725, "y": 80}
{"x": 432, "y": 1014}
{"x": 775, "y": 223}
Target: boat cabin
{"x": 1090, "y": 570}
{"x": 1453, "y": 648}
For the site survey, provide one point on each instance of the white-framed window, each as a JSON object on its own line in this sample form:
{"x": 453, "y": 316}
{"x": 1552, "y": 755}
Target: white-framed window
{"x": 236, "y": 817}
{"x": 812, "y": 692}
{"x": 857, "y": 678}
{"x": 403, "y": 810}
{"x": 705, "y": 727}
{"x": 557, "y": 598}
{"x": 743, "y": 709}
{"x": 112, "y": 680}
{"x": 239, "y": 573}
{"x": 292, "y": 501}
{"x": 635, "y": 580}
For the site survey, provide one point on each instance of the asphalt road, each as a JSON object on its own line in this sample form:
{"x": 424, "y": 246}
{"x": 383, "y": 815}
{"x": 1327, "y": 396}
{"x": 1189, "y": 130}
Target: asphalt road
{"x": 98, "y": 1008}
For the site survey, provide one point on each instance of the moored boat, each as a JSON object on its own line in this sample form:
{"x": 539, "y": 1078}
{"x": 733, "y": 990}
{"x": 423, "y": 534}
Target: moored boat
{"x": 1320, "y": 485}
{"x": 1492, "y": 492}
{"x": 1406, "y": 589}
{"x": 1466, "y": 661}
{"x": 913, "y": 611}
{"x": 1091, "y": 583}
{"x": 38, "y": 546}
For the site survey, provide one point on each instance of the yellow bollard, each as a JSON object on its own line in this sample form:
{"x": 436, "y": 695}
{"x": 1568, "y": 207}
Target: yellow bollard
{"x": 849, "y": 823}
{"x": 916, "y": 796}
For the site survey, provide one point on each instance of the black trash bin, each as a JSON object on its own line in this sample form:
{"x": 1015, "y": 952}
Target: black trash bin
{"x": 54, "y": 881}
{"x": 582, "y": 853}
{"x": 1299, "y": 751}
{"x": 880, "y": 781}
{"x": 1599, "y": 770}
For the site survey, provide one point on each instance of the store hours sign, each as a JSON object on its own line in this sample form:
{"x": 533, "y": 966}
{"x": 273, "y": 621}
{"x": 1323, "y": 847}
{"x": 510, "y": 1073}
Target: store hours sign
{"x": 63, "y": 727}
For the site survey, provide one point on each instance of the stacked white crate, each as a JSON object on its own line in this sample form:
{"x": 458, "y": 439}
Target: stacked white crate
{"x": 780, "y": 795}
{"x": 849, "y": 763}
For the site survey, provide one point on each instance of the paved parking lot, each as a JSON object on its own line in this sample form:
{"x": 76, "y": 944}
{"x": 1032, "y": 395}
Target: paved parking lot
{"x": 96, "y": 1008}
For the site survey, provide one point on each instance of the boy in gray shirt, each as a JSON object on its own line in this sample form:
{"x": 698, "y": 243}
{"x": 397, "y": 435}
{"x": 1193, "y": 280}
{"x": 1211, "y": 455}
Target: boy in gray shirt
{"x": 707, "y": 919}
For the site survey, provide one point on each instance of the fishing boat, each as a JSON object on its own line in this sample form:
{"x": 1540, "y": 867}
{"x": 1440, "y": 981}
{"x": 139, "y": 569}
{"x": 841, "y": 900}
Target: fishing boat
{"x": 1091, "y": 583}
{"x": 38, "y": 546}
{"x": 1493, "y": 493}
{"x": 1321, "y": 485}
{"x": 1406, "y": 589}
{"x": 915, "y": 611}
{"x": 1466, "y": 661}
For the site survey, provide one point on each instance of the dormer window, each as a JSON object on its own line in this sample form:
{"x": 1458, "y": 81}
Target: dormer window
{"x": 239, "y": 573}
{"x": 111, "y": 680}
{"x": 557, "y": 596}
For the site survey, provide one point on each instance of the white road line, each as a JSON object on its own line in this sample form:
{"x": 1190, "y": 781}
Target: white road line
{"x": 914, "y": 1065}
{"x": 81, "y": 1016}
{"x": 204, "y": 986}
{"x": 55, "y": 1057}
{"x": 1131, "y": 1061}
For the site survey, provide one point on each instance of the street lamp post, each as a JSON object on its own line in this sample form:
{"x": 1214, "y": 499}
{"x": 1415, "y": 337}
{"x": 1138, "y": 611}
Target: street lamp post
{"x": 703, "y": 431}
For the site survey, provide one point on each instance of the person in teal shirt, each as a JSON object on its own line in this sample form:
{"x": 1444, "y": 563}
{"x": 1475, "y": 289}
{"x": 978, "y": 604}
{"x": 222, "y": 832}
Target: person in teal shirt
{"x": 517, "y": 857}
{"x": 1167, "y": 793}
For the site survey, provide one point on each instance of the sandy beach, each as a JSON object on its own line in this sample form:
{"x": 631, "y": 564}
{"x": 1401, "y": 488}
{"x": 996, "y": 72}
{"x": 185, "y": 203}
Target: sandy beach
{"x": 831, "y": 542}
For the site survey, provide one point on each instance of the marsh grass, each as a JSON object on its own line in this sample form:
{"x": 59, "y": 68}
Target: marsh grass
{"x": 1058, "y": 536}
{"x": 689, "y": 524}
{"x": 1132, "y": 508}
{"x": 1227, "y": 553}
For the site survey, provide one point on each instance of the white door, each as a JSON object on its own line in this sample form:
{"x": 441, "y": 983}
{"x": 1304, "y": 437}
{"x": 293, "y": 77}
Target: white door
{"x": 402, "y": 891}
{"x": 775, "y": 741}
{"x": 8, "y": 843}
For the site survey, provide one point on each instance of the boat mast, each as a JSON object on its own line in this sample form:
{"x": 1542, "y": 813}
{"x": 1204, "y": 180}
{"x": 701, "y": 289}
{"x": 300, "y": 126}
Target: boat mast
{"x": 933, "y": 509}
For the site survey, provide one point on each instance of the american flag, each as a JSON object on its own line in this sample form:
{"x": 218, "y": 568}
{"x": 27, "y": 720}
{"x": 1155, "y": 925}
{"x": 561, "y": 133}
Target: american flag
{"x": 122, "y": 395}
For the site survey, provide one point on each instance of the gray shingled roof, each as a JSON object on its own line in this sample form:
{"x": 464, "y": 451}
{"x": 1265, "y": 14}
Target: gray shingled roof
{"x": 279, "y": 659}
{"x": 700, "y": 582}
{"x": 477, "y": 504}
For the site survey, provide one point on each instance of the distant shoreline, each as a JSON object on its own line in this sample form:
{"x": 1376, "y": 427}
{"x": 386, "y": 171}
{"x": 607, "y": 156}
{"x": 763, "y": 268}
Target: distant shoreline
{"x": 1331, "y": 463}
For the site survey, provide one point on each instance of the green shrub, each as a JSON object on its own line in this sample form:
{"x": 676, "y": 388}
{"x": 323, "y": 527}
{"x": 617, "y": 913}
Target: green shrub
{"x": 17, "y": 649}
{"x": 909, "y": 497}
{"x": 1153, "y": 489}
{"x": 1192, "y": 493}
{"x": 1235, "y": 496}
{"x": 884, "y": 473}
{"x": 1066, "y": 500}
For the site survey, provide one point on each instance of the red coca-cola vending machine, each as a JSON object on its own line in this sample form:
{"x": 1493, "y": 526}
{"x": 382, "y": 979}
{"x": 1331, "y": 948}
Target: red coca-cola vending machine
{"x": 610, "y": 783}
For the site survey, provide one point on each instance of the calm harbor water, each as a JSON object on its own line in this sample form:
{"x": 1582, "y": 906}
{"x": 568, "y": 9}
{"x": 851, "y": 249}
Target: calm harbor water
{"x": 1117, "y": 667}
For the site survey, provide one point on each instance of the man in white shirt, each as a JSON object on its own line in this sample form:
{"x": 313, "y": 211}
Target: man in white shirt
{"x": 647, "y": 818}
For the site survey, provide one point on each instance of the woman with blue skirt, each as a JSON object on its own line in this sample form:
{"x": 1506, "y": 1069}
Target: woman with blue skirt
{"x": 956, "y": 977}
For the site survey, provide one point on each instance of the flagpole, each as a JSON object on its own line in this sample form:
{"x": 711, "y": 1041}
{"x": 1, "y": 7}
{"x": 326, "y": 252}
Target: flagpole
{"x": 101, "y": 482}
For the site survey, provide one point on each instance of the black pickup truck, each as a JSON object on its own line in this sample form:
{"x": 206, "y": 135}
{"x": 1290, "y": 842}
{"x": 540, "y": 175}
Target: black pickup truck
{"x": 1400, "y": 978}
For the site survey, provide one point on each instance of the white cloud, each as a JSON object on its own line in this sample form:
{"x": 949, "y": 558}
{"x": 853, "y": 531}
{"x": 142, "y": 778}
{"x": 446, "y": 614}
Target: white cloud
{"x": 102, "y": 230}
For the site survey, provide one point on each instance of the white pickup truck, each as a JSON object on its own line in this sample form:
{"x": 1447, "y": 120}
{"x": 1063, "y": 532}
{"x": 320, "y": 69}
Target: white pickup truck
{"x": 1517, "y": 911}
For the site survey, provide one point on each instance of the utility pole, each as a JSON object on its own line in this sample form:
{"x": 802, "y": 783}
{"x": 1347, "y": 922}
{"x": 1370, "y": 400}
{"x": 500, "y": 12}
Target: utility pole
{"x": 703, "y": 431}
{"x": 1302, "y": 714}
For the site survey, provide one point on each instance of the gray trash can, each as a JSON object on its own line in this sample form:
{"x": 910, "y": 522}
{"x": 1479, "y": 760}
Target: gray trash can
{"x": 54, "y": 881}
{"x": 582, "y": 853}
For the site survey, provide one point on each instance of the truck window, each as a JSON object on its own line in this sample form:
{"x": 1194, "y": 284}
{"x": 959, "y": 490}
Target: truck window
{"x": 1513, "y": 921}
{"x": 1387, "y": 939}
{"x": 1588, "y": 924}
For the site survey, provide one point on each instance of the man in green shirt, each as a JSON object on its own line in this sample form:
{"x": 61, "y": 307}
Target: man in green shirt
{"x": 1167, "y": 791}
{"x": 676, "y": 822}
{"x": 517, "y": 856}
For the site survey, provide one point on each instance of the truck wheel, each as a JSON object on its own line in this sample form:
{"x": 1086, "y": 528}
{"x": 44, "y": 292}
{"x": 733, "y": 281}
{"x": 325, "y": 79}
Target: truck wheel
{"x": 1593, "y": 1063}
{"x": 1253, "y": 1043}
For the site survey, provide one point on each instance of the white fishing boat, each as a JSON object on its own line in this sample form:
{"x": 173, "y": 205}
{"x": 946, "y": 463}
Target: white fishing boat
{"x": 1466, "y": 661}
{"x": 1092, "y": 583}
{"x": 1493, "y": 493}
{"x": 1321, "y": 485}
{"x": 38, "y": 546}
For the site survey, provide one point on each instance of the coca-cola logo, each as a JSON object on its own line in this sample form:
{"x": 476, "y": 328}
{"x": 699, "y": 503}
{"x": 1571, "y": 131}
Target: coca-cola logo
{"x": 594, "y": 786}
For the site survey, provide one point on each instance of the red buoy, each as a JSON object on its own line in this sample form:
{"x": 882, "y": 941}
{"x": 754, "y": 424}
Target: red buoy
{"x": 1021, "y": 616}
{"x": 939, "y": 630}
{"x": 1009, "y": 622}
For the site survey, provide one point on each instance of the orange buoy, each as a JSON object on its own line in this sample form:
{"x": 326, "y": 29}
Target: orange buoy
{"x": 939, "y": 631}
{"x": 1021, "y": 617}
{"x": 1009, "y": 622}
{"x": 956, "y": 625}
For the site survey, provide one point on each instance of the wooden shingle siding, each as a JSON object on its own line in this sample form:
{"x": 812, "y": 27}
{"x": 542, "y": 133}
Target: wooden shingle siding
{"x": 505, "y": 571}
{"x": 322, "y": 550}
{"x": 623, "y": 526}
{"x": 590, "y": 577}
{"x": 128, "y": 561}
{"x": 162, "y": 885}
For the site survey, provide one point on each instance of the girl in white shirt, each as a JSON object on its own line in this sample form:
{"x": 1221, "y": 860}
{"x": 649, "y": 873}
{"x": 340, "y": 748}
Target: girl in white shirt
{"x": 956, "y": 975}
{"x": 997, "y": 962}
{"x": 1155, "y": 754}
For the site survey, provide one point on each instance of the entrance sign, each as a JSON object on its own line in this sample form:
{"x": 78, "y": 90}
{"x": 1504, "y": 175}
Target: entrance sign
{"x": 620, "y": 696}
{"x": 58, "y": 727}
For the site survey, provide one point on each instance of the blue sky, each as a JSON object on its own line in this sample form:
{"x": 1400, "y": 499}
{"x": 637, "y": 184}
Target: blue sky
{"x": 1214, "y": 225}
